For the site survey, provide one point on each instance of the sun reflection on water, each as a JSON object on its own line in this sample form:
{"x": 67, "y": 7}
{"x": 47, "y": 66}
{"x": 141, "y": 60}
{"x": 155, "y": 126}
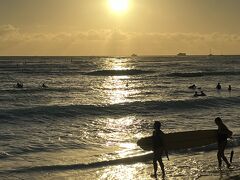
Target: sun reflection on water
{"x": 122, "y": 172}
{"x": 117, "y": 92}
{"x": 116, "y": 89}
{"x": 117, "y": 64}
{"x": 119, "y": 132}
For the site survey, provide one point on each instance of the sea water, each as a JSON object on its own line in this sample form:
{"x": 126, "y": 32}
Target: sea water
{"x": 86, "y": 122}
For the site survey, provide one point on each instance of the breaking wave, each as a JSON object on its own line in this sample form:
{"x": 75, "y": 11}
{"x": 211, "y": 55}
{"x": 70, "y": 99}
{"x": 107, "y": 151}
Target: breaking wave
{"x": 117, "y": 72}
{"x": 199, "y": 74}
{"x": 137, "y": 107}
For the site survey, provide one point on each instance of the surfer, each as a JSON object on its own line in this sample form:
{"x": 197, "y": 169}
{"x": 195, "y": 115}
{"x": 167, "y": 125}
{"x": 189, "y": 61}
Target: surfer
{"x": 44, "y": 85}
{"x": 192, "y": 86}
{"x": 158, "y": 148}
{"x": 218, "y": 87}
{"x": 202, "y": 94}
{"x": 229, "y": 88}
{"x": 195, "y": 94}
{"x": 19, "y": 85}
{"x": 222, "y": 134}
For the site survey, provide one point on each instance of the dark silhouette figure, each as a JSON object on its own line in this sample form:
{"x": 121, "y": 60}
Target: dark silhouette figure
{"x": 44, "y": 85}
{"x": 19, "y": 85}
{"x": 218, "y": 87}
{"x": 202, "y": 94}
{"x": 158, "y": 148}
{"x": 192, "y": 86}
{"x": 229, "y": 88}
{"x": 195, "y": 94}
{"x": 222, "y": 134}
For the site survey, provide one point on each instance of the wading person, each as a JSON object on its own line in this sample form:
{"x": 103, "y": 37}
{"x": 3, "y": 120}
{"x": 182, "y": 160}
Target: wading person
{"x": 222, "y": 134}
{"x": 158, "y": 148}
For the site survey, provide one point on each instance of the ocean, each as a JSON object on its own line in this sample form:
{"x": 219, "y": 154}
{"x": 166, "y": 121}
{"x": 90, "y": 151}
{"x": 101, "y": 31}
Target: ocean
{"x": 86, "y": 122}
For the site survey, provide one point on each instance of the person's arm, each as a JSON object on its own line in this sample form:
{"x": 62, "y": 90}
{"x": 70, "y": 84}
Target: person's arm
{"x": 229, "y": 133}
{"x": 226, "y": 131}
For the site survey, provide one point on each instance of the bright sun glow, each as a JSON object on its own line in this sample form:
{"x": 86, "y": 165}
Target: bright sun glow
{"x": 118, "y": 5}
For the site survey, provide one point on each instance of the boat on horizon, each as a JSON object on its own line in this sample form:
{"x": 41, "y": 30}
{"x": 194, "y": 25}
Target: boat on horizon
{"x": 181, "y": 54}
{"x": 134, "y": 55}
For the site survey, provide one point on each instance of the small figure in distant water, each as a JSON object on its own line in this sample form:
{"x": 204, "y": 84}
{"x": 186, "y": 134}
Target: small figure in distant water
{"x": 229, "y": 88}
{"x": 218, "y": 87}
{"x": 195, "y": 94}
{"x": 158, "y": 148}
{"x": 202, "y": 94}
{"x": 222, "y": 134}
{"x": 127, "y": 84}
{"x": 44, "y": 85}
{"x": 192, "y": 86}
{"x": 19, "y": 85}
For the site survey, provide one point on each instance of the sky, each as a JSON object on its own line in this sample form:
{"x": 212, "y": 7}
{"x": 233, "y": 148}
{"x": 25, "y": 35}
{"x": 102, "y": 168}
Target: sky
{"x": 92, "y": 27}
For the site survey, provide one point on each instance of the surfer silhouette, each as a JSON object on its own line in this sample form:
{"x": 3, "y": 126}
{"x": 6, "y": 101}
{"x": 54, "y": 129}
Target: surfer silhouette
{"x": 192, "y": 86}
{"x": 19, "y": 85}
{"x": 44, "y": 85}
{"x": 218, "y": 87}
{"x": 158, "y": 148}
{"x": 229, "y": 88}
{"x": 202, "y": 94}
{"x": 195, "y": 94}
{"x": 222, "y": 134}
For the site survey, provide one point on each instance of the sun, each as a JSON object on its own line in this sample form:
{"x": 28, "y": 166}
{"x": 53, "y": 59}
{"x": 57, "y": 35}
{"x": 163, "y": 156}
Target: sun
{"x": 118, "y": 6}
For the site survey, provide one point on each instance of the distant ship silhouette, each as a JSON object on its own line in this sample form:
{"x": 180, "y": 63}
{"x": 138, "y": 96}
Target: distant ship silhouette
{"x": 181, "y": 54}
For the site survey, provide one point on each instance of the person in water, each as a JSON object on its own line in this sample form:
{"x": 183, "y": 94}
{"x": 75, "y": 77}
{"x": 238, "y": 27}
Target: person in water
{"x": 19, "y": 85}
{"x": 158, "y": 148}
{"x": 202, "y": 94}
{"x": 192, "y": 86}
{"x": 229, "y": 88}
{"x": 222, "y": 134}
{"x": 218, "y": 87}
{"x": 195, "y": 94}
{"x": 44, "y": 85}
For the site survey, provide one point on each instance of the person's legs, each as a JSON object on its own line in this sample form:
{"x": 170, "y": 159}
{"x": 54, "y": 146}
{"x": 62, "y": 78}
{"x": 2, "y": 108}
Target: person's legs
{"x": 162, "y": 166}
{"x": 222, "y": 154}
{"x": 155, "y": 166}
{"x": 219, "y": 159}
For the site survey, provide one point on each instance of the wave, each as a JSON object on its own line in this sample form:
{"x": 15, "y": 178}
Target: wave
{"x": 199, "y": 74}
{"x": 117, "y": 72}
{"x": 27, "y": 89}
{"x": 122, "y": 161}
{"x": 128, "y": 160}
{"x": 137, "y": 107}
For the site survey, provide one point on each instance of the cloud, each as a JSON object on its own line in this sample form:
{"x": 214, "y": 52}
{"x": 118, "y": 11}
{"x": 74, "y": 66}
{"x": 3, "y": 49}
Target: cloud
{"x": 14, "y": 41}
{"x": 7, "y": 29}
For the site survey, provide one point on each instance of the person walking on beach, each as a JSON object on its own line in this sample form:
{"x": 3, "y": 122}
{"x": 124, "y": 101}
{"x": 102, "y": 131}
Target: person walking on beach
{"x": 222, "y": 134}
{"x": 158, "y": 148}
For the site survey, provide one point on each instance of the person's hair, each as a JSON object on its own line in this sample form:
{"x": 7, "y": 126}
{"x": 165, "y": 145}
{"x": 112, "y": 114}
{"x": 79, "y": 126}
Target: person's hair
{"x": 157, "y": 125}
{"x": 218, "y": 120}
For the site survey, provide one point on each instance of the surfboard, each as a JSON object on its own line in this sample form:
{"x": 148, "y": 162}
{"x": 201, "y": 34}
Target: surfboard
{"x": 182, "y": 140}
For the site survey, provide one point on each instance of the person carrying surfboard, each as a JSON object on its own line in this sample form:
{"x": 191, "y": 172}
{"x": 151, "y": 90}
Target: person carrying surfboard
{"x": 158, "y": 148}
{"x": 222, "y": 134}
